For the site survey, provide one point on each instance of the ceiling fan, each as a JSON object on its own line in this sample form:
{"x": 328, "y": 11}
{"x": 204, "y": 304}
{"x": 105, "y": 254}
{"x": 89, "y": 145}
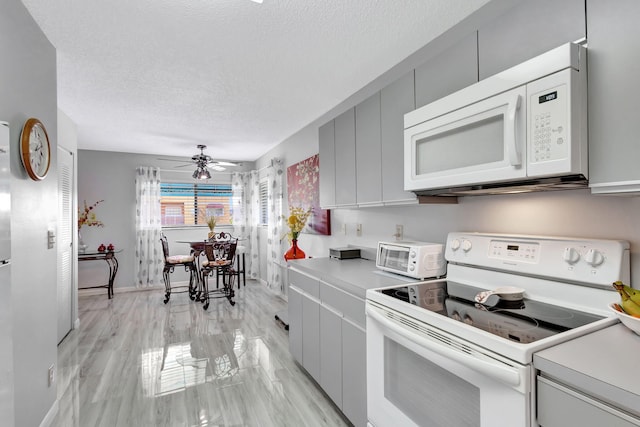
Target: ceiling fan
{"x": 203, "y": 162}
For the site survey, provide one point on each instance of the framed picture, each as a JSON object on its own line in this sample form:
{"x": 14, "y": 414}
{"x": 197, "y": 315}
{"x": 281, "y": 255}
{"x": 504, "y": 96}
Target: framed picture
{"x": 303, "y": 187}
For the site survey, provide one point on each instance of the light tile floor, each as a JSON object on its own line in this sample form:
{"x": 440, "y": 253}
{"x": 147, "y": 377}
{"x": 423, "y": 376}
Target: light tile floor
{"x": 135, "y": 361}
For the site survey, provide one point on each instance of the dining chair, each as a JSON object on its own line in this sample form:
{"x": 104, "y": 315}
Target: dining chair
{"x": 170, "y": 263}
{"x": 239, "y": 269}
{"x": 220, "y": 260}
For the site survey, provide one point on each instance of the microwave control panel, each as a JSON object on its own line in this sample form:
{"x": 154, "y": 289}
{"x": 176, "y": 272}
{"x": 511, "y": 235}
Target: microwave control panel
{"x": 549, "y": 124}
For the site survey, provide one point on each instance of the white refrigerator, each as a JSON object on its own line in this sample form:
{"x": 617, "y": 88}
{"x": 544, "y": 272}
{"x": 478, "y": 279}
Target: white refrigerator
{"x": 6, "y": 321}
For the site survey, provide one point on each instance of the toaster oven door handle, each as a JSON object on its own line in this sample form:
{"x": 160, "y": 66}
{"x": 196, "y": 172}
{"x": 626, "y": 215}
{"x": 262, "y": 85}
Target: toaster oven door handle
{"x": 496, "y": 370}
{"x": 511, "y": 139}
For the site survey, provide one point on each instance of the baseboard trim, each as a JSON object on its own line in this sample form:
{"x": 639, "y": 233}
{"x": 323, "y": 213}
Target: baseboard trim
{"x": 48, "y": 419}
{"x": 116, "y": 291}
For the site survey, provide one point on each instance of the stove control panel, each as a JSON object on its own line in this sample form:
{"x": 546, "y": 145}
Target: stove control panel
{"x": 591, "y": 261}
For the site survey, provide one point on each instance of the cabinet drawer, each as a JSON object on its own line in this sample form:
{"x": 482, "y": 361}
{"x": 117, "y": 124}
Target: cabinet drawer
{"x": 351, "y": 307}
{"x": 308, "y": 284}
{"x": 560, "y": 406}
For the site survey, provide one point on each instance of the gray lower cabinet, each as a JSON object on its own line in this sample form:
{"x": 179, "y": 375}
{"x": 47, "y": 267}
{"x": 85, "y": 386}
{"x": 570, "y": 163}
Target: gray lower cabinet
{"x": 295, "y": 323}
{"x": 561, "y": 406}
{"x": 331, "y": 353}
{"x": 448, "y": 72}
{"x": 529, "y": 29}
{"x": 354, "y": 373}
{"x": 345, "y": 154}
{"x": 614, "y": 67}
{"x": 368, "y": 152}
{"x": 327, "y": 164}
{"x": 327, "y": 337}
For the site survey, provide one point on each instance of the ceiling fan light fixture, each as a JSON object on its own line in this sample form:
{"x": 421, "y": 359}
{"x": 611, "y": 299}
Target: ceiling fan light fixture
{"x": 204, "y": 174}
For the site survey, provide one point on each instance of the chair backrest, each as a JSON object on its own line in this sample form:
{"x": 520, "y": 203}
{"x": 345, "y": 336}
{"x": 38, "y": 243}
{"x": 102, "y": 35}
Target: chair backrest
{"x": 165, "y": 246}
{"x": 225, "y": 250}
{"x": 222, "y": 237}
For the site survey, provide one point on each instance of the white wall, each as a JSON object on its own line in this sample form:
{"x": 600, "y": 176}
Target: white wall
{"x": 28, "y": 89}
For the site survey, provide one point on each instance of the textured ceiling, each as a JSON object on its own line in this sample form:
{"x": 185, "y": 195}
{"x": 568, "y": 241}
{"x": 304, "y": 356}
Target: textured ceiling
{"x": 161, "y": 76}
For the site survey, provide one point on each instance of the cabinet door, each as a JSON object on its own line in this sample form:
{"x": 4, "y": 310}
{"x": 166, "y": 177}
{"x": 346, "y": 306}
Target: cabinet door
{"x": 560, "y": 406}
{"x": 614, "y": 67}
{"x": 311, "y": 336}
{"x": 331, "y": 354}
{"x": 345, "y": 142}
{"x": 327, "y": 159}
{"x": 396, "y": 100}
{"x": 527, "y": 30}
{"x": 448, "y": 72}
{"x": 368, "y": 152}
{"x": 295, "y": 323}
{"x": 354, "y": 373}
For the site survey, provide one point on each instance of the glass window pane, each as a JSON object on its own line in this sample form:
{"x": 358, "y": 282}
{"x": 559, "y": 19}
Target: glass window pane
{"x": 191, "y": 204}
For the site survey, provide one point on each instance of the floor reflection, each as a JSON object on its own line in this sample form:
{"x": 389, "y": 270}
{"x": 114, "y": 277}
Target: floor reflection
{"x": 137, "y": 362}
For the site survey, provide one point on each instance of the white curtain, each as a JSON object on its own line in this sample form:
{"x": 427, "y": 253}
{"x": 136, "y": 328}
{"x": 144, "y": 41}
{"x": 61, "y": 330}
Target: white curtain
{"x": 275, "y": 177}
{"x": 246, "y": 209}
{"x": 149, "y": 258}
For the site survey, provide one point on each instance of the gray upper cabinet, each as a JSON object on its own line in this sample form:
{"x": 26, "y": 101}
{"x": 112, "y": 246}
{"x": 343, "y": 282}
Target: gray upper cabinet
{"x": 448, "y": 72}
{"x": 368, "y": 152}
{"x": 529, "y": 29}
{"x": 345, "y": 143}
{"x": 614, "y": 67}
{"x": 396, "y": 100}
{"x": 327, "y": 163}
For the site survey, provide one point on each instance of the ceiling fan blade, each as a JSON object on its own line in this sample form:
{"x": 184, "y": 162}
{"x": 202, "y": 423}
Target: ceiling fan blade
{"x": 185, "y": 165}
{"x": 173, "y": 160}
{"x": 226, "y": 164}
{"x": 217, "y": 168}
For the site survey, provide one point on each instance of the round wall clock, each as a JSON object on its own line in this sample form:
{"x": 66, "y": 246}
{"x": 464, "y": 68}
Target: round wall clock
{"x": 35, "y": 149}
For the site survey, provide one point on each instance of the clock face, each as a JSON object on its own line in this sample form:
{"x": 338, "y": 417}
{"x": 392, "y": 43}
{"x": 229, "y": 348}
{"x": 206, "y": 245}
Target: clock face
{"x": 36, "y": 155}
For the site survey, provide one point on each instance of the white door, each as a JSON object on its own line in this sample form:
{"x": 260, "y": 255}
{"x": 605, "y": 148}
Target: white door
{"x": 65, "y": 242}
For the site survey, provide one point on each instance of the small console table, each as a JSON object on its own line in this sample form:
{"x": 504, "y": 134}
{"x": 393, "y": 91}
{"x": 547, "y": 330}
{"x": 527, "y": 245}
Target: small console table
{"x": 110, "y": 258}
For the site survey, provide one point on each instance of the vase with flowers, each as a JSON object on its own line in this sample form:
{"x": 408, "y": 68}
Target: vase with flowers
{"x": 87, "y": 217}
{"x": 296, "y": 221}
{"x": 211, "y": 223}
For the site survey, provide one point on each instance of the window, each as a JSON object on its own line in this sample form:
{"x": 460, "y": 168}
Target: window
{"x": 264, "y": 202}
{"x": 191, "y": 204}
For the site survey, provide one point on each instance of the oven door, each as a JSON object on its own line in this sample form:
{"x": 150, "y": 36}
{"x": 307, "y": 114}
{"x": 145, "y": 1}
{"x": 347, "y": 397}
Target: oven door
{"x": 418, "y": 375}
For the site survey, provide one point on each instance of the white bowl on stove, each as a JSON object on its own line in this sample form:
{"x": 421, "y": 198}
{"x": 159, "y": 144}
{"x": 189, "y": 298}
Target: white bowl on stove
{"x": 630, "y": 322}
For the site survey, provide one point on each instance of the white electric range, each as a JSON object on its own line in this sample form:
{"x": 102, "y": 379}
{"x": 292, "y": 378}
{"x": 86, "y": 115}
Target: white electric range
{"x": 437, "y": 357}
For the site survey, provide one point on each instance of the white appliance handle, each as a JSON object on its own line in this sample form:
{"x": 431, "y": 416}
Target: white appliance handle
{"x": 511, "y": 139}
{"x": 494, "y": 370}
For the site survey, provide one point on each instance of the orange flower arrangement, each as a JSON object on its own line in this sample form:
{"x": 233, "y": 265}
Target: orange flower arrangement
{"x": 88, "y": 217}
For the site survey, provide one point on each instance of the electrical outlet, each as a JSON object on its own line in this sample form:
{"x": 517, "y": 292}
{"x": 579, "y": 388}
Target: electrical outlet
{"x": 358, "y": 229}
{"x": 399, "y": 232}
{"x": 344, "y": 229}
{"x": 52, "y": 375}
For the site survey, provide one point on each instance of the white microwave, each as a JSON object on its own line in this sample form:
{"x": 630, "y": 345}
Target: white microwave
{"x": 420, "y": 260}
{"x": 524, "y": 129}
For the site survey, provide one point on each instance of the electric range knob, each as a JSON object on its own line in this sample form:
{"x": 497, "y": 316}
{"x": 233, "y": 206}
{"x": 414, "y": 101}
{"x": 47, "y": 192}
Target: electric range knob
{"x": 455, "y": 244}
{"x": 570, "y": 255}
{"x": 466, "y": 245}
{"x": 594, "y": 257}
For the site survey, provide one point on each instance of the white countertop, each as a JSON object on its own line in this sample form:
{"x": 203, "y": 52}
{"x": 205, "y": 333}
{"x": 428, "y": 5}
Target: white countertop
{"x": 604, "y": 364}
{"x": 354, "y": 276}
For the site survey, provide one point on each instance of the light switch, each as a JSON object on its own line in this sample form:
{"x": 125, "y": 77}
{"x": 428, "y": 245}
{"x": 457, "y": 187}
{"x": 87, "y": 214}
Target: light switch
{"x": 51, "y": 239}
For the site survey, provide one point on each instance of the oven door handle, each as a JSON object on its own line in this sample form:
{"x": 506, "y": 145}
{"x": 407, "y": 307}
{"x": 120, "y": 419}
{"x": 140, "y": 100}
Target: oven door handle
{"x": 496, "y": 370}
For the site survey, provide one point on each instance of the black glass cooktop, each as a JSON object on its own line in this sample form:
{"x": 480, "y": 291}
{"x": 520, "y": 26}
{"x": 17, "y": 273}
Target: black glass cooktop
{"x": 521, "y": 321}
